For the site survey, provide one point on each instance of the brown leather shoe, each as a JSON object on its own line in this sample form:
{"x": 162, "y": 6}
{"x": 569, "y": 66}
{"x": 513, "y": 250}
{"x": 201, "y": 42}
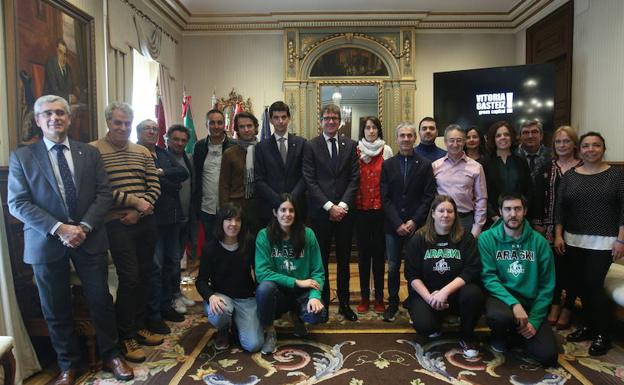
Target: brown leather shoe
{"x": 67, "y": 377}
{"x": 120, "y": 368}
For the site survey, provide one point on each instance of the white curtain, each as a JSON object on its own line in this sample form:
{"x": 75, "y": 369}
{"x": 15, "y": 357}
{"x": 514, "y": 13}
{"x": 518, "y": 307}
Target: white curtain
{"x": 144, "y": 77}
{"x": 119, "y": 75}
{"x": 129, "y": 31}
{"x": 169, "y": 96}
{"x": 11, "y": 323}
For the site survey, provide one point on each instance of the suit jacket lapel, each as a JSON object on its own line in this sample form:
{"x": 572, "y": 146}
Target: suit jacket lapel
{"x": 292, "y": 151}
{"x": 42, "y": 158}
{"x": 342, "y": 152}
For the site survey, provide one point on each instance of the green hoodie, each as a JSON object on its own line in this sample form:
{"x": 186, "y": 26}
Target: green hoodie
{"x": 278, "y": 263}
{"x": 518, "y": 270}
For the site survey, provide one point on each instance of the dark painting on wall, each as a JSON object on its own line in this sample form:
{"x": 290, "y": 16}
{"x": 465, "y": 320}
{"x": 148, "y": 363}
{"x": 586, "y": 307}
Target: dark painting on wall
{"x": 349, "y": 62}
{"x": 49, "y": 50}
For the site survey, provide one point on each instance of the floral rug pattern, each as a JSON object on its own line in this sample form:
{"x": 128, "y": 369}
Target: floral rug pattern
{"x": 345, "y": 353}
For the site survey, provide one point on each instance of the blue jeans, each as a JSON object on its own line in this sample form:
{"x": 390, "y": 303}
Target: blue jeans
{"x": 165, "y": 269}
{"x": 394, "y": 254}
{"x": 250, "y": 333}
{"x": 274, "y": 300}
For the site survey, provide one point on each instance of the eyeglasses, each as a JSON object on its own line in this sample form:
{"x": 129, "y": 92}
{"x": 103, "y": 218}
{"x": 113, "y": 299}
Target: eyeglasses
{"x": 48, "y": 113}
{"x": 331, "y": 118}
{"x": 152, "y": 129}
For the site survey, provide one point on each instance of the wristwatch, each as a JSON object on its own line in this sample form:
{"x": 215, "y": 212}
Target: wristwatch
{"x": 85, "y": 228}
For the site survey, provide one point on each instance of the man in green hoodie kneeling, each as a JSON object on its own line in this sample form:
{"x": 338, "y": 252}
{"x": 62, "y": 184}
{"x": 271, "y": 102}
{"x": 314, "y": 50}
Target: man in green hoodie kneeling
{"x": 519, "y": 276}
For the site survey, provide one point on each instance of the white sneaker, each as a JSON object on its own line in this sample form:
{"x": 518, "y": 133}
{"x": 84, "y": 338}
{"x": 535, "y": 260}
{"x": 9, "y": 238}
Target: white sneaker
{"x": 178, "y": 306}
{"x": 186, "y": 300}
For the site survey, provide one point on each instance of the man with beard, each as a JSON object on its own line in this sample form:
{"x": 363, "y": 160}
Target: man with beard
{"x": 519, "y": 276}
{"x": 428, "y": 132}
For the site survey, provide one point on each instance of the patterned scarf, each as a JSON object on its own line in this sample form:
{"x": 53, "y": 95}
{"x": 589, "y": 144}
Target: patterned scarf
{"x": 368, "y": 150}
{"x": 249, "y": 146}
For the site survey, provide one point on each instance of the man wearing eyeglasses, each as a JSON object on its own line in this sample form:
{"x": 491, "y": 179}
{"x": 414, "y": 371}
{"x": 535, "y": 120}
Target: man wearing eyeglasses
{"x": 59, "y": 189}
{"x": 131, "y": 227}
{"x": 332, "y": 174}
{"x": 463, "y": 179}
{"x": 168, "y": 213}
{"x": 531, "y": 148}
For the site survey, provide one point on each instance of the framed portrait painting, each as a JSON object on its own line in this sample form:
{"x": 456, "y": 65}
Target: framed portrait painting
{"x": 49, "y": 50}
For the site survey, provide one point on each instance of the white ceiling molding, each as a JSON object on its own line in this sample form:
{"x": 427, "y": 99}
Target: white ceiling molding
{"x": 193, "y": 17}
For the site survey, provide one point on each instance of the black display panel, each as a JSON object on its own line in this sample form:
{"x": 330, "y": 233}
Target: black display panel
{"x": 481, "y": 97}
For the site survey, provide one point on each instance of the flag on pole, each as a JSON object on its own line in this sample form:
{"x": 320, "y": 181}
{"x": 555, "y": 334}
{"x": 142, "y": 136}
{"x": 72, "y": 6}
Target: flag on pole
{"x": 237, "y": 110}
{"x": 160, "y": 119}
{"x": 188, "y": 122}
{"x": 265, "y": 132}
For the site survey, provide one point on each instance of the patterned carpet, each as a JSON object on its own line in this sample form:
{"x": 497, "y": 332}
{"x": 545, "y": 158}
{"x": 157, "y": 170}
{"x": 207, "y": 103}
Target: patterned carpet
{"x": 366, "y": 352}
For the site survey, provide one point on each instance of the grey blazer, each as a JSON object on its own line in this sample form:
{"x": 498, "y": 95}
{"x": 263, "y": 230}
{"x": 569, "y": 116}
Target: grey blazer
{"x": 34, "y": 198}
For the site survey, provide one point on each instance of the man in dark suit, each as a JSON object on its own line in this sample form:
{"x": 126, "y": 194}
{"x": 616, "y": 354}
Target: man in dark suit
{"x": 278, "y": 164}
{"x": 332, "y": 174}
{"x": 407, "y": 189}
{"x": 58, "y": 75}
{"x": 59, "y": 189}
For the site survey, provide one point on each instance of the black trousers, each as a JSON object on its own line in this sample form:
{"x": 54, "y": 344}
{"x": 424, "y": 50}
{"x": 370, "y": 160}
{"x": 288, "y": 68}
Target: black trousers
{"x": 467, "y": 302}
{"x": 52, "y": 281}
{"x": 274, "y": 300}
{"x": 371, "y": 245}
{"x": 132, "y": 248}
{"x": 589, "y": 269}
{"x": 542, "y": 346}
{"x": 342, "y": 233}
{"x": 564, "y": 271}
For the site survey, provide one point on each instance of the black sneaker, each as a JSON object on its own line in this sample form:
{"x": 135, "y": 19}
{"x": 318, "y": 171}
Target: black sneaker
{"x": 600, "y": 345}
{"x": 390, "y": 313}
{"x": 581, "y": 334}
{"x": 171, "y": 315}
{"x": 157, "y": 326}
{"x": 299, "y": 329}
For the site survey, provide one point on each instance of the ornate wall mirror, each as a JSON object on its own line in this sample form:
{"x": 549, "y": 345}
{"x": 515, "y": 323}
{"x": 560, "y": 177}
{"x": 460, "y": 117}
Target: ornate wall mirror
{"x": 356, "y": 99}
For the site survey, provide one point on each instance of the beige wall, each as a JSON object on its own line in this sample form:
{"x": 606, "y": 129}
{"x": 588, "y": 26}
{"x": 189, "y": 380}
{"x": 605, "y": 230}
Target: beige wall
{"x": 597, "y": 72}
{"x": 449, "y": 52}
{"x": 252, "y": 64}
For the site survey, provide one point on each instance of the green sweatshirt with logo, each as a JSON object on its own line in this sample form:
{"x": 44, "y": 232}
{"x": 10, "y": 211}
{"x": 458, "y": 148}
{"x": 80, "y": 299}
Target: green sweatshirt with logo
{"x": 278, "y": 263}
{"x": 518, "y": 270}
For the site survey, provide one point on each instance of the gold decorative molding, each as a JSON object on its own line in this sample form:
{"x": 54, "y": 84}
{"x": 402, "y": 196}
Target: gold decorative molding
{"x": 198, "y": 22}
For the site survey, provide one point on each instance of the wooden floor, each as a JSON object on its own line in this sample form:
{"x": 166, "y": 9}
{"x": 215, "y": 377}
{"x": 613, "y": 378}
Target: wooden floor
{"x": 188, "y": 288}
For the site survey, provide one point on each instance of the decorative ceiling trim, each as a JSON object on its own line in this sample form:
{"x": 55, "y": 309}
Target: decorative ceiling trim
{"x": 178, "y": 14}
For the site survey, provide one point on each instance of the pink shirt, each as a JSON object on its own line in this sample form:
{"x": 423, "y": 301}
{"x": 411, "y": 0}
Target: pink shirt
{"x": 464, "y": 181}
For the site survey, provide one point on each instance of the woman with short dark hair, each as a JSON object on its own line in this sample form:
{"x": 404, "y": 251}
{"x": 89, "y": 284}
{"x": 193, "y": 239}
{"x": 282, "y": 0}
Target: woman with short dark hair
{"x": 505, "y": 172}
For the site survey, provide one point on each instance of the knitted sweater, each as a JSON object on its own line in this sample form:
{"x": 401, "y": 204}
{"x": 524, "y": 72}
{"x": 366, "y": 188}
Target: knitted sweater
{"x": 131, "y": 173}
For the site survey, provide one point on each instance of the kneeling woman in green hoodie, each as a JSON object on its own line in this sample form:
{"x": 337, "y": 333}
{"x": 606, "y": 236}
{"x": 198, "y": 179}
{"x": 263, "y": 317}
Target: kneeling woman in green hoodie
{"x": 290, "y": 273}
{"x": 442, "y": 269}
